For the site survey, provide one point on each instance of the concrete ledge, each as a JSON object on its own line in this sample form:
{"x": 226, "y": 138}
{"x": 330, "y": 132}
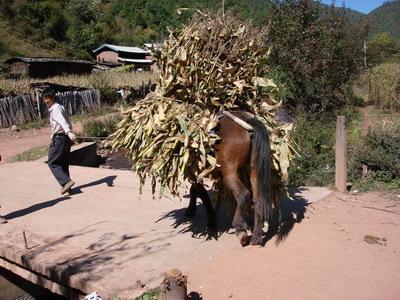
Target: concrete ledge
{"x": 40, "y": 280}
{"x": 84, "y": 154}
{"x": 36, "y": 263}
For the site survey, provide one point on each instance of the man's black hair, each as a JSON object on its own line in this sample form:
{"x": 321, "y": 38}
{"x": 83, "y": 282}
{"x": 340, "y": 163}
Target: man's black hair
{"x": 49, "y": 92}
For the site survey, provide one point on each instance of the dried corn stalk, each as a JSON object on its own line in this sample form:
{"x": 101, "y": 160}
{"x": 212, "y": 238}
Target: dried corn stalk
{"x": 211, "y": 65}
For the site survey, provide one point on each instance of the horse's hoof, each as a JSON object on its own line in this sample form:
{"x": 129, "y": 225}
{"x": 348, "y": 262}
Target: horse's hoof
{"x": 212, "y": 234}
{"x": 255, "y": 240}
{"x": 243, "y": 238}
{"x": 212, "y": 231}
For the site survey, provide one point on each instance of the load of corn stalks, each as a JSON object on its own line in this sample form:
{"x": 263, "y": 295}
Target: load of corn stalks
{"x": 215, "y": 63}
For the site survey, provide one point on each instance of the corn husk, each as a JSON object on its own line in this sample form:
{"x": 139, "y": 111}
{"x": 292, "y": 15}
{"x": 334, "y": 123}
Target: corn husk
{"x": 213, "y": 64}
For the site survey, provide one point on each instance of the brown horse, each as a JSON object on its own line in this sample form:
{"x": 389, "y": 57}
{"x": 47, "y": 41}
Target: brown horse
{"x": 241, "y": 154}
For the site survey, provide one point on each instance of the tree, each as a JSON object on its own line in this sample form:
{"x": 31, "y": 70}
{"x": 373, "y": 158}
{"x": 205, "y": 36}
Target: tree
{"x": 87, "y": 30}
{"x": 318, "y": 49}
{"x": 44, "y": 16}
{"x": 381, "y": 48}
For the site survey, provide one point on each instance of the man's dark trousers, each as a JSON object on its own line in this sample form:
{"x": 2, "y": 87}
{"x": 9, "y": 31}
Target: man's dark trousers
{"x": 59, "y": 149}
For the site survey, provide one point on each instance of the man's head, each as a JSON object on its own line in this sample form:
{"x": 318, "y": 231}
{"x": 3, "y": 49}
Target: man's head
{"x": 49, "y": 96}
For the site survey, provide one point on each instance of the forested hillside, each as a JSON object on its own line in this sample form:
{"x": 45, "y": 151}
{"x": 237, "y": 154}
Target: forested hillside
{"x": 74, "y": 27}
{"x": 385, "y": 18}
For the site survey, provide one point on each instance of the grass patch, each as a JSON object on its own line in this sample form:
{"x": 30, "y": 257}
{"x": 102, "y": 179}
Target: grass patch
{"x": 361, "y": 87}
{"x": 37, "y": 124}
{"x": 104, "y": 110}
{"x": 31, "y": 154}
{"x": 377, "y": 181}
{"x": 101, "y": 127}
{"x": 150, "y": 295}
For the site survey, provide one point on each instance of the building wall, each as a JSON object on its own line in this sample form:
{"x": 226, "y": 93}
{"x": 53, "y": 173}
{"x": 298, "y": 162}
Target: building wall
{"x": 19, "y": 68}
{"x": 47, "y": 69}
{"x": 153, "y": 67}
{"x": 108, "y": 57}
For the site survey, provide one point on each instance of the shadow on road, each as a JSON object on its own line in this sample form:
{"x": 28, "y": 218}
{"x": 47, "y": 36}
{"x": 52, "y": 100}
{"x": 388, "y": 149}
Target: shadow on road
{"x": 283, "y": 220}
{"x": 109, "y": 180}
{"x": 290, "y": 212}
{"x": 198, "y": 224}
{"x": 35, "y": 207}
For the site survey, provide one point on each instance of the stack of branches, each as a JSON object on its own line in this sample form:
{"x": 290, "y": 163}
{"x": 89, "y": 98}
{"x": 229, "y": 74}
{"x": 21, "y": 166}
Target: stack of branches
{"x": 213, "y": 64}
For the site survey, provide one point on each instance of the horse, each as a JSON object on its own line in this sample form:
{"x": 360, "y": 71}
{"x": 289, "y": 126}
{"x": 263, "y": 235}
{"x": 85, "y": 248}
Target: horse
{"x": 240, "y": 154}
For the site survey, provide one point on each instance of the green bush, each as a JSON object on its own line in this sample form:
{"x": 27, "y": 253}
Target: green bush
{"x": 315, "y": 137}
{"x": 381, "y": 48}
{"x": 101, "y": 127}
{"x": 285, "y": 83}
{"x": 379, "y": 150}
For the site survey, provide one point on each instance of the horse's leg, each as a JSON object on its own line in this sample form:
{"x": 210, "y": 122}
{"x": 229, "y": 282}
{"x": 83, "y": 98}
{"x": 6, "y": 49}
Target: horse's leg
{"x": 191, "y": 209}
{"x": 211, "y": 216}
{"x": 242, "y": 197}
{"x": 257, "y": 238}
{"x": 232, "y": 155}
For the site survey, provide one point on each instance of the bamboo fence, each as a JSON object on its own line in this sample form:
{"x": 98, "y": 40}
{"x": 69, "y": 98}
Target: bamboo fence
{"x": 18, "y": 110}
{"x": 27, "y": 108}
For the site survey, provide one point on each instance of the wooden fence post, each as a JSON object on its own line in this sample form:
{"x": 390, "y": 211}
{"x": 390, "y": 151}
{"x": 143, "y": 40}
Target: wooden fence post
{"x": 37, "y": 96}
{"x": 341, "y": 155}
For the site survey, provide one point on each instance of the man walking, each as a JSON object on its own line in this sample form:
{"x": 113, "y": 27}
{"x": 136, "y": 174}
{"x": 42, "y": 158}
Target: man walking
{"x": 62, "y": 138}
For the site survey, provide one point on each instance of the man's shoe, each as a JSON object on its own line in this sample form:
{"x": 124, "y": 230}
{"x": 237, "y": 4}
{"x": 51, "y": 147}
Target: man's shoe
{"x": 67, "y": 187}
{"x": 2, "y": 220}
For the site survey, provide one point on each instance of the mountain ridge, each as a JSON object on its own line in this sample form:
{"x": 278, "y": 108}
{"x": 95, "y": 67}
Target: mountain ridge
{"x": 385, "y": 18}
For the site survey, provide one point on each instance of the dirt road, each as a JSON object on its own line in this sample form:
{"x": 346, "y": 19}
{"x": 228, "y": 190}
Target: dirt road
{"x": 13, "y": 143}
{"x": 346, "y": 248}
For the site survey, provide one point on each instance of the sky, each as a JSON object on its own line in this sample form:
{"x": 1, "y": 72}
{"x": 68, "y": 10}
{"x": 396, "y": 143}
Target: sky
{"x": 364, "y": 6}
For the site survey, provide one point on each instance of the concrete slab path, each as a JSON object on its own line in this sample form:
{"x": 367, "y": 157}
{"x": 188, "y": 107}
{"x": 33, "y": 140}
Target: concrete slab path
{"x": 104, "y": 237}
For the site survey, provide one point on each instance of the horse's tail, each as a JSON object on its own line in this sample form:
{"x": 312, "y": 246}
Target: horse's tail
{"x": 261, "y": 160}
